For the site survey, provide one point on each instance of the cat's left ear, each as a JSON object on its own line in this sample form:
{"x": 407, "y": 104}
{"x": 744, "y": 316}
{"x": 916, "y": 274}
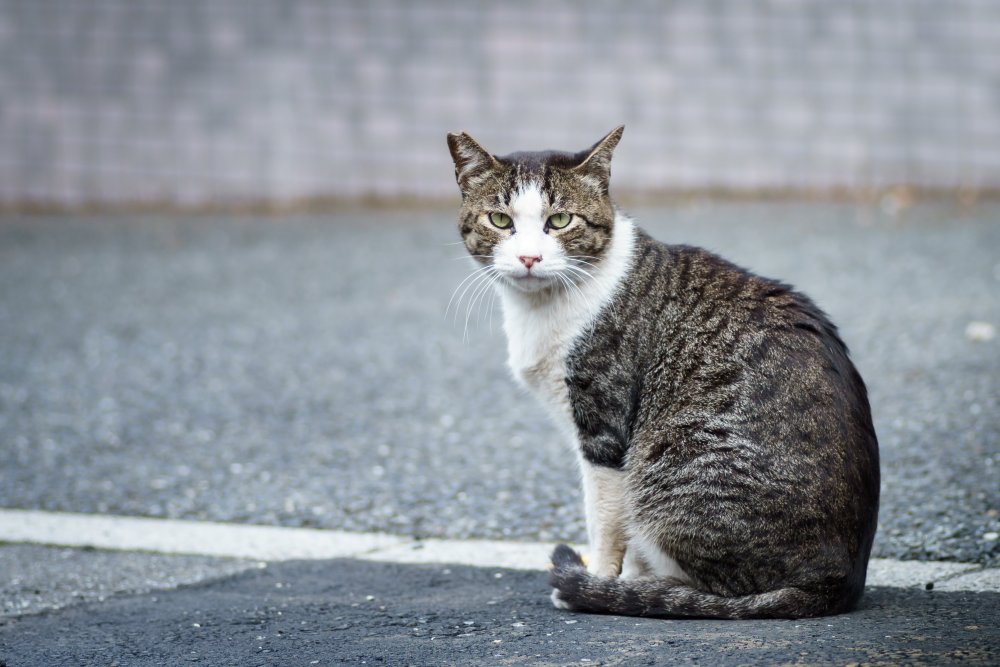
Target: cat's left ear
{"x": 597, "y": 162}
{"x": 472, "y": 161}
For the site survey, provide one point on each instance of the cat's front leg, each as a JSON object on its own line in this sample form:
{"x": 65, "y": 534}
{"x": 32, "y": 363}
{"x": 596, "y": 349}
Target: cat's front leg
{"x": 604, "y": 504}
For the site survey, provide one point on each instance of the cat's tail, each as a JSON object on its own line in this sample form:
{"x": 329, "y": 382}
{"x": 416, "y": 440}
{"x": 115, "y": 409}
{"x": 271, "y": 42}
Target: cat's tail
{"x": 579, "y": 590}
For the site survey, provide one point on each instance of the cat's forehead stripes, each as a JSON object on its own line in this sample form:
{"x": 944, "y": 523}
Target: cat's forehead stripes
{"x": 534, "y": 169}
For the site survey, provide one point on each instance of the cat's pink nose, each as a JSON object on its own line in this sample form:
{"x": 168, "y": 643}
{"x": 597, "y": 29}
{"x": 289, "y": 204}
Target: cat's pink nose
{"x": 530, "y": 260}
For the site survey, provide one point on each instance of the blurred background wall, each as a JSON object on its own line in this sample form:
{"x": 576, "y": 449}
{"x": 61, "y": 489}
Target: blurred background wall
{"x": 194, "y": 102}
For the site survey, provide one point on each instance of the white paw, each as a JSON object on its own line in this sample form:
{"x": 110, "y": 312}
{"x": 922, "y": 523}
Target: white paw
{"x": 559, "y": 603}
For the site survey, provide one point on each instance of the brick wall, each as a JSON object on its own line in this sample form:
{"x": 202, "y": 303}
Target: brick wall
{"x": 209, "y": 101}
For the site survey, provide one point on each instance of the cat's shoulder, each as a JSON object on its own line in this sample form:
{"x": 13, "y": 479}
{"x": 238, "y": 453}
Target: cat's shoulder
{"x": 686, "y": 265}
{"x": 709, "y": 277}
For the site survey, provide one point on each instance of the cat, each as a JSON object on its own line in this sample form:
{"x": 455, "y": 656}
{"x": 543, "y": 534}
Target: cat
{"x": 728, "y": 459}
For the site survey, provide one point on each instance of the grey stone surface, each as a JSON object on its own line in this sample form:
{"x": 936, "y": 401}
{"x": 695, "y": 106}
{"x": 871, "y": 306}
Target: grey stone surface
{"x": 35, "y": 578}
{"x": 302, "y": 371}
{"x": 987, "y": 579}
{"x": 916, "y": 574}
{"x": 350, "y": 612}
{"x": 192, "y": 102}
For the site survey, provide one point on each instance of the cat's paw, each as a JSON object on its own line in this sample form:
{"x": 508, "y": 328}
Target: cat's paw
{"x": 559, "y": 603}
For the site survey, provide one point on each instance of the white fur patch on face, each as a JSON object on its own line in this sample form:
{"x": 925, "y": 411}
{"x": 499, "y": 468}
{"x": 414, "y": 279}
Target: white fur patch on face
{"x": 528, "y": 211}
{"x": 528, "y": 204}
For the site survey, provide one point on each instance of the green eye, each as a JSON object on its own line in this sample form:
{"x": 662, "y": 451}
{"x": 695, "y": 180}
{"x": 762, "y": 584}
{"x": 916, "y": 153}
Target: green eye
{"x": 501, "y": 220}
{"x": 559, "y": 220}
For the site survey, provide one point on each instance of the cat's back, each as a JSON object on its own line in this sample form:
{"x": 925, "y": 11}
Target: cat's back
{"x": 692, "y": 308}
{"x": 688, "y": 287}
{"x": 696, "y": 346}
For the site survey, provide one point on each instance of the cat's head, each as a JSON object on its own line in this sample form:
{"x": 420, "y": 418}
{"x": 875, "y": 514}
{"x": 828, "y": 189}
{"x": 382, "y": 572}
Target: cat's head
{"x": 538, "y": 218}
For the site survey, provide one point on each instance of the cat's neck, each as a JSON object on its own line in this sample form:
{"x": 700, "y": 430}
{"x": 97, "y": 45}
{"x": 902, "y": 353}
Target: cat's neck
{"x": 542, "y": 326}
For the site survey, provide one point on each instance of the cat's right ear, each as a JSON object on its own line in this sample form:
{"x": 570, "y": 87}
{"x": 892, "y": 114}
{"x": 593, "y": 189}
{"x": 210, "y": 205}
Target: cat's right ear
{"x": 472, "y": 161}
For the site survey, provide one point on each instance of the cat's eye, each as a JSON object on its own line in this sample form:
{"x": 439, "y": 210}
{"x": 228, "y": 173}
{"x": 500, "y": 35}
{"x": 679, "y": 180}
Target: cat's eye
{"x": 501, "y": 220}
{"x": 559, "y": 220}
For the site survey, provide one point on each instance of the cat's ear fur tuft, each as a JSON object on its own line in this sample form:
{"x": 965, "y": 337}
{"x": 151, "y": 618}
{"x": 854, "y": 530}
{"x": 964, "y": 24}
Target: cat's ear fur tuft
{"x": 597, "y": 163}
{"x": 472, "y": 161}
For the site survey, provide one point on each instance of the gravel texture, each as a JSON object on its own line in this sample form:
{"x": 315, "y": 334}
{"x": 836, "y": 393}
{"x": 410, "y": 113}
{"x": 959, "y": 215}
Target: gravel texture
{"x": 33, "y": 578}
{"x": 356, "y": 613}
{"x": 303, "y": 371}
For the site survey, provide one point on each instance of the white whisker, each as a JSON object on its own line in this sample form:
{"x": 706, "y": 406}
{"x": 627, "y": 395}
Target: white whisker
{"x": 577, "y": 271}
{"x": 493, "y": 297}
{"x": 586, "y": 275}
{"x": 472, "y": 288}
{"x": 581, "y": 259}
{"x": 469, "y": 277}
{"x": 478, "y": 303}
{"x": 571, "y": 285}
{"x": 574, "y": 267}
{"x": 477, "y": 296}
{"x": 472, "y": 276}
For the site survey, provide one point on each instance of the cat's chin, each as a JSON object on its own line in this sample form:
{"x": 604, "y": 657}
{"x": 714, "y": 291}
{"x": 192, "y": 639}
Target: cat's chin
{"x": 530, "y": 284}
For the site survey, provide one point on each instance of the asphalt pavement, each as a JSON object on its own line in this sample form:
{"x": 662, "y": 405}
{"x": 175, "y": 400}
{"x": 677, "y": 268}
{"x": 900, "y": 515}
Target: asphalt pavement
{"x": 303, "y": 371}
{"x": 351, "y": 612}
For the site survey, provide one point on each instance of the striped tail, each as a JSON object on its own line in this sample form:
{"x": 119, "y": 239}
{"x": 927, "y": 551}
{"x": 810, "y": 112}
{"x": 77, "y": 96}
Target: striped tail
{"x": 579, "y": 590}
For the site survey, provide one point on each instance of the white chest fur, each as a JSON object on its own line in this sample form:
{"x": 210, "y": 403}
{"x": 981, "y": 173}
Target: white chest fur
{"x": 541, "y": 328}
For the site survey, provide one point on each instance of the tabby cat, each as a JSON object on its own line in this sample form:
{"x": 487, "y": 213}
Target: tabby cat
{"x": 729, "y": 463}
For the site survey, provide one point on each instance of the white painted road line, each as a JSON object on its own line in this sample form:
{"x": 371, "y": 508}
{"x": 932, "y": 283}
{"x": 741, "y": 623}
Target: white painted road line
{"x": 275, "y": 543}
{"x": 196, "y": 538}
{"x": 267, "y": 543}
